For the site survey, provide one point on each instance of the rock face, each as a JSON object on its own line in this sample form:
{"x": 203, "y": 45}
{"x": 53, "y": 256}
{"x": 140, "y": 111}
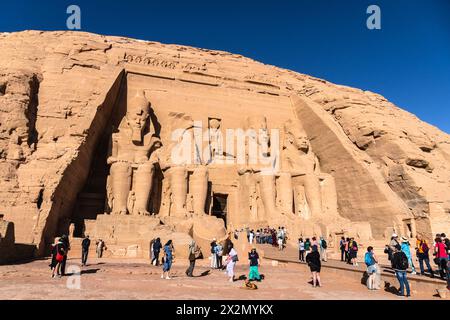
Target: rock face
{"x": 94, "y": 126}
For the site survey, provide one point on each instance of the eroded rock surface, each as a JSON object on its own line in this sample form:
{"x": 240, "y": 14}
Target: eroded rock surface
{"x": 74, "y": 106}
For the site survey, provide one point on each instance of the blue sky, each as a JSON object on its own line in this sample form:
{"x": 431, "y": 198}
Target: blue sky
{"x": 407, "y": 61}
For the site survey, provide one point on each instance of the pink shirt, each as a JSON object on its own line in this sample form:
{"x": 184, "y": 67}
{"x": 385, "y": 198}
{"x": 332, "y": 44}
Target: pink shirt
{"x": 441, "y": 251}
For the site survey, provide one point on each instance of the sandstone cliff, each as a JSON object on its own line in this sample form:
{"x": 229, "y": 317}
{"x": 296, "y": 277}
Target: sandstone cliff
{"x": 58, "y": 91}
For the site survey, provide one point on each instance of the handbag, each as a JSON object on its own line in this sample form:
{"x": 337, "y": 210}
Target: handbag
{"x": 59, "y": 257}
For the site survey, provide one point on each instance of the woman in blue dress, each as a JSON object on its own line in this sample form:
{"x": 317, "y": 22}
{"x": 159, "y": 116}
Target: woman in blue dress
{"x": 168, "y": 256}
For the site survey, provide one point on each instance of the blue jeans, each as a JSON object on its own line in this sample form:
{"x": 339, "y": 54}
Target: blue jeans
{"x": 427, "y": 262}
{"x": 403, "y": 280}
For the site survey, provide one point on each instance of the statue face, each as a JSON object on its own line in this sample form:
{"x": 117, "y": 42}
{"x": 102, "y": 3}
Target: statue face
{"x": 137, "y": 114}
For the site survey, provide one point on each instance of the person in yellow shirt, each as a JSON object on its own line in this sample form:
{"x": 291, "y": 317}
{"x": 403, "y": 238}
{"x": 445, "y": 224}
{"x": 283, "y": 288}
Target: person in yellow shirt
{"x": 422, "y": 253}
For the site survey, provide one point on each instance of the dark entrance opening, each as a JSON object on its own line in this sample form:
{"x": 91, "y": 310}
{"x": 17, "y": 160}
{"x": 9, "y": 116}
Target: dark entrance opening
{"x": 92, "y": 198}
{"x": 219, "y": 207}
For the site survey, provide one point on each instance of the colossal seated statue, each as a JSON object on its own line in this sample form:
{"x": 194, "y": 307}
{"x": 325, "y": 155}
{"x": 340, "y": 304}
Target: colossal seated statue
{"x": 131, "y": 172}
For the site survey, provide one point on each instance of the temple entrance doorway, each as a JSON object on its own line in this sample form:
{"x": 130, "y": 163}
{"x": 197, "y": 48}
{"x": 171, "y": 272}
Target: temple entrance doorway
{"x": 219, "y": 206}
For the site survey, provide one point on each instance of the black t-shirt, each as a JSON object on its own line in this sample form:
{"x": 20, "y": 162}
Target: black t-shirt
{"x": 253, "y": 257}
{"x": 86, "y": 243}
{"x": 157, "y": 246}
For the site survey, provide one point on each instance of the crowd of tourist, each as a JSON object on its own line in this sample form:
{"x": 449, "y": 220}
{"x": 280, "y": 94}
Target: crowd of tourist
{"x": 312, "y": 251}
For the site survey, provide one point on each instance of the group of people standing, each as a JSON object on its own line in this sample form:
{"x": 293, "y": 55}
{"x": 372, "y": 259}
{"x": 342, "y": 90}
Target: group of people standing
{"x": 349, "y": 250}
{"x": 167, "y": 258}
{"x": 218, "y": 251}
{"x": 305, "y": 246}
{"x": 275, "y": 237}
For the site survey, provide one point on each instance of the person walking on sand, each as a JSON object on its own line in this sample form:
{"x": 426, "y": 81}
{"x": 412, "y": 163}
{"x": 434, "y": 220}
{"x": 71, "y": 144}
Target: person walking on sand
{"x": 400, "y": 265}
{"x": 85, "y": 250}
{"x": 156, "y": 250}
{"x": 100, "y": 247}
{"x": 313, "y": 261}
{"x": 66, "y": 243}
{"x": 192, "y": 256}
{"x": 168, "y": 256}
{"x": 254, "y": 264}
{"x": 59, "y": 252}
{"x": 231, "y": 263}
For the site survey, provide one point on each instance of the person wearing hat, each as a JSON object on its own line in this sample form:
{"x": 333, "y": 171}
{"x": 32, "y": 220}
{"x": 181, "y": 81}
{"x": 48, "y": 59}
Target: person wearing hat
{"x": 254, "y": 264}
{"x": 406, "y": 249}
{"x": 394, "y": 242}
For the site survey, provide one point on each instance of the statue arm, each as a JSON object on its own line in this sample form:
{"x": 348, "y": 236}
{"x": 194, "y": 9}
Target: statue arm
{"x": 112, "y": 150}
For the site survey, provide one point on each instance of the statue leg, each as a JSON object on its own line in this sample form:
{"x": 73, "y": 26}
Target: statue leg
{"x": 121, "y": 184}
{"x": 313, "y": 194}
{"x": 143, "y": 186}
{"x": 178, "y": 184}
{"x": 199, "y": 189}
{"x": 268, "y": 193}
{"x": 286, "y": 194}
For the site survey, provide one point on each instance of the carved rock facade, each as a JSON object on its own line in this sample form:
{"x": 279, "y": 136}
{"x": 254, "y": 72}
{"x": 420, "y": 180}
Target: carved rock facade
{"x": 90, "y": 127}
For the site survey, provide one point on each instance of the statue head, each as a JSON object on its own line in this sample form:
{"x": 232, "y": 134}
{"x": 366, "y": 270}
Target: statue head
{"x": 138, "y": 112}
{"x": 295, "y": 136}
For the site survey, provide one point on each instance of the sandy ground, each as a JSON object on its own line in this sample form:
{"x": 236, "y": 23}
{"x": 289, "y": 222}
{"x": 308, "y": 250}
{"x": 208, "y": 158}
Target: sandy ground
{"x": 137, "y": 279}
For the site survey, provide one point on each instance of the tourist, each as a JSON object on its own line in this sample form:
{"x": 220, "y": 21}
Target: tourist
{"x": 59, "y": 252}
{"x": 307, "y": 245}
{"x": 406, "y": 249}
{"x": 231, "y": 263}
{"x": 347, "y": 251}
{"x": 219, "y": 253}
{"x": 254, "y": 264}
{"x": 394, "y": 242}
{"x": 314, "y": 242}
{"x": 194, "y": 253}
{"x": 213, "y": 254}
{"x": 373, "y": 270}
{"x": 400, "y": 265}
{"x": 150, "y": 249}
{"x": 227, "y": 244}
{"x": 342, "y": 248}
{"x": 168, "y": 256}
{"x": 273, "y": 240}
{"x": 323, "y": 249}
{"x": 65, "y": 241}
{"x": 313, "y": 261}
{"x": 53, "y": 250}
{"x": 156, "y": 250}
{"x": 85, "y": 250}
{"x": 353, "y": 252}
{"x": 258, "y": 236}
{"x": 301, "y": 250}
{"x": 389, "y": 252}
{"x": 251, "y": 236}
{"x": 280, "y": 239}
{"x": 422, "y": 253}
{"x": 100, "y": 246}
{"x": 441, "y": 257}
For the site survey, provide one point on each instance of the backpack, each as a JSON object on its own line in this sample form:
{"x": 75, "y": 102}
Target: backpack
{"x": 403, "y": 263}
{"x": 368, "y": 259}
{"x": 324, "y": 244}
{"x": 235, "y": 258}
